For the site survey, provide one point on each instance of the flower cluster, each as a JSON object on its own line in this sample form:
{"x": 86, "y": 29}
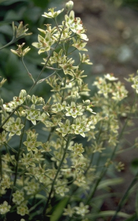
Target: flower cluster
{"x": 134, "y": 80}
{"x": 22, "y": 209}
{"x": 51, "y": 165}
{"x": 76, "y": 26}
{"x": 3, "y": 138}
{"x": 13, "y": 126}
{"x": 52, "y": 13}
{"x": 20, "y": 51}
{"x": 17, "y": 101}
{"x": 31, "y": 142}
{"x": 81, "y": 210}
{"x": 4, "y": 208}
{"x": 18, "y": 197}
{"x": 109, "y": 87}
{"x": 5, "y": 184}
{"x": 31, "y": 186}
{"x": 81, "y": 125}
{"x": 45, "y": 160}
{"x": 20, "y": 31}
{"x": 69, "y": 27}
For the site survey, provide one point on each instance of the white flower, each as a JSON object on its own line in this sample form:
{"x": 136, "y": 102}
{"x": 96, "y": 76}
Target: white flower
{"x": 110, "y": 77}
{"x": 4, "y": 207}
{"x": 68, "y": 211}
{"x": 69, "y": 5}
{"x": 82, "y": 209}
{"x": 52, "y": 13}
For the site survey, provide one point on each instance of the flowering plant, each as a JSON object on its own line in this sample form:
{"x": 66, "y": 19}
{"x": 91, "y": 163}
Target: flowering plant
{"x": 57, "y": 177}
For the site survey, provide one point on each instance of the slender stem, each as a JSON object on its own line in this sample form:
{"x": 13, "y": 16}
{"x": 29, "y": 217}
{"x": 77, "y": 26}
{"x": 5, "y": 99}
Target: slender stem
{"x": 111, "y": 158}
{"x": 54, "y": 180}
{"x": 39, "y": 75}
{"x": 96, "y": 185}
{"x": 120, "y": 136}
{"x": 9, "y": 116}
{"x": 30, "y": 75}
{"x": 55, "y": 19}
{"x": 18, "y": 155}
{"x": 9, "y": 43}
{"x": 17, "y": 160}
{"x": 122, "y": 131}
{"x": 48, "y": 139}
{"x": 105, "y": 168}
{"x": 122, "y": 201}
{"x": 127, "y": 149}
{"x": 89, "y": 166}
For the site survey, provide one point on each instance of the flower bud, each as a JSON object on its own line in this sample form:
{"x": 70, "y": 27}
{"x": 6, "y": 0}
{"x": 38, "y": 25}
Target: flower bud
{"x": 20, "y": 31}
{"x": 69, "y": 5}
{"x": 2, "y": 82}
{"x": 23, "y": 93}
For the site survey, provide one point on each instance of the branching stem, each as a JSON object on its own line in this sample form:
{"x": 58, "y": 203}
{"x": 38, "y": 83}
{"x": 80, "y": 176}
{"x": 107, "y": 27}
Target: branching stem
{"x": 54, "y": 180}
{"x": 122, "y": 201}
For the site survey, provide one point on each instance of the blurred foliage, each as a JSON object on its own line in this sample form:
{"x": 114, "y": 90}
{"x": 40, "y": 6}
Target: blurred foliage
{"x": 11, "y": 67}
{"x": 130, "y": 3}
{"x": 134, "y": 165}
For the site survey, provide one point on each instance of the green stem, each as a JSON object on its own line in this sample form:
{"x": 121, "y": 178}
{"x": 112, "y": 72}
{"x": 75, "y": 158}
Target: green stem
{"x": 122, "y": 201}
{"x": 96, "y": 185}
{"x": 54, "y": 180}
{"x": 39, "y": 75}
{"x": 30, "y": 75}
{"x": 55, "y": 20}
{"x": 48, "y": 139}
{"x": 17, "y": 160}
{"x": 90, "y": 164}
{"x": 9, "y": 43}
{"x": 19, "y": 151}
{"x": 105, "y": 168}
{"x": 120, "y": 136}
{"x": 9, "y": 116}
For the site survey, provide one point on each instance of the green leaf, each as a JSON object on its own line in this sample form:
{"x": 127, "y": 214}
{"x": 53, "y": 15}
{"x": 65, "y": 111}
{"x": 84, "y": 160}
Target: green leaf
{"x": 39, "y": 196}
{"x": 5, "y": 29}
{"x": 110, "y": 182}
{"x": 11, "y": 15}
{"x": 2, "y": 1}
{"x": 42, "y": 4}
{"x": 134, "y": 165}
{"x": 109, "y": 213}
{"x": 6, "y": 2}
{"x": 59, "y": 209}
{"x": 132, "y": 218}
